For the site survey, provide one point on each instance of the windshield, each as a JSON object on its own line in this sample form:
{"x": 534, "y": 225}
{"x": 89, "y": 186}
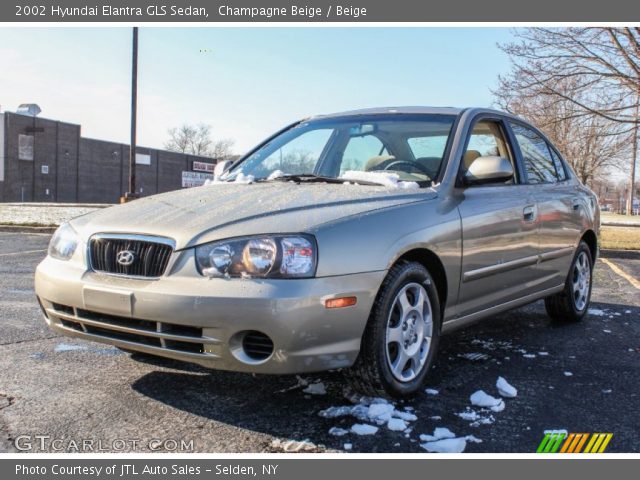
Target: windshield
{"x": 410, "y": 146}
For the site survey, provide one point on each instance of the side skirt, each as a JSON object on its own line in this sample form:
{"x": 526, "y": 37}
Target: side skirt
{"x": 456, "y": 323}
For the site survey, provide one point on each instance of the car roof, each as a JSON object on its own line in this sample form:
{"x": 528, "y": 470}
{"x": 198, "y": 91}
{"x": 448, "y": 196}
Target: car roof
{"x": 392, "y": 110}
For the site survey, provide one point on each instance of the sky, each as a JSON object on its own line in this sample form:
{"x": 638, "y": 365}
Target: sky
{"x": 246, "y": 83}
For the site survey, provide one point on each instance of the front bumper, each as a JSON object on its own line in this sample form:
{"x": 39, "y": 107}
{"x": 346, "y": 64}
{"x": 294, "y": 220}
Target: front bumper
{"x": 194, "y": 319}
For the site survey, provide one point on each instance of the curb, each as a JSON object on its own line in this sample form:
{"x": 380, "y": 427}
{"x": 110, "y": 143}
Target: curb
{"x": 620, "y": 224}
{"x": 26, "y": 229}
{"x": 627, "y": 254}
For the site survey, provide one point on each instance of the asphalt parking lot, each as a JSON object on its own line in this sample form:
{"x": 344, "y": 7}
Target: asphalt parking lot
{"x": 583, "y": 378}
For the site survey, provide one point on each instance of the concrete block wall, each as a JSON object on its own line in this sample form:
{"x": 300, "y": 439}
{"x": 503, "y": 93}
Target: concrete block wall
{"x": 80, "y": 169}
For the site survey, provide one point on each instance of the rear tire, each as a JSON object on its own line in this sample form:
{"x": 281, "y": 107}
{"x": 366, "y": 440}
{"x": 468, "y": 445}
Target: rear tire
{"x": 572, "y": 304}
{"x": 401, "y": 336}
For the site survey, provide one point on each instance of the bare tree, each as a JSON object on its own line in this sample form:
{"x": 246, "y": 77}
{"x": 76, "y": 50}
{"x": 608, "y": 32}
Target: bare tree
{"x": 197, "y": 140}
{"x": 602, "y": 64}
{"x": 590, "y": 143}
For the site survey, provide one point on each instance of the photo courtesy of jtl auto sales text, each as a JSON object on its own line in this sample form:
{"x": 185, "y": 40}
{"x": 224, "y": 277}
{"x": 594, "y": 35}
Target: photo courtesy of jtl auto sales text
{"x": 317, "y": 240}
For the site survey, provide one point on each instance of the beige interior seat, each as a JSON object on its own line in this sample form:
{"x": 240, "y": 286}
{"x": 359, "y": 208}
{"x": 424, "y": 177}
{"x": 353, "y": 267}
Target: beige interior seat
{"x": 374, "y": 162}
{"x": 470, "y": 156}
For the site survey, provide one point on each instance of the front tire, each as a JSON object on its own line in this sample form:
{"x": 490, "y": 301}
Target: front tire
{"x": 572, "y": 304}
{"x": 401, "y": 337}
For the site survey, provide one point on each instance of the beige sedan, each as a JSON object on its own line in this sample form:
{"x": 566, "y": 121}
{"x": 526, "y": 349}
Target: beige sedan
{"x": 349, "y": 241}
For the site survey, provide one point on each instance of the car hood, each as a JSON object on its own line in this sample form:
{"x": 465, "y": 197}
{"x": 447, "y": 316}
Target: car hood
{"x": 197, "y": 215}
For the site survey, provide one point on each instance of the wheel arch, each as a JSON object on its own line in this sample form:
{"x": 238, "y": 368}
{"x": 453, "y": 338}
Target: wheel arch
{"x": 431, "y": 262}
{"x": 589, "y": 237}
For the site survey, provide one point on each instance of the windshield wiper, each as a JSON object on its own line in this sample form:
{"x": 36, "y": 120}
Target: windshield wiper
{"x": 312, "y": 177}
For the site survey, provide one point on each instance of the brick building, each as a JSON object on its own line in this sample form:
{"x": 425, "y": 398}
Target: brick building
{"x": 44, "y": 160}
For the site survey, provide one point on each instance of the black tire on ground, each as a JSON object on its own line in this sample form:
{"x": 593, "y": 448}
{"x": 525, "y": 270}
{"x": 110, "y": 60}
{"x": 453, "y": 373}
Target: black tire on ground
{"x": 371, "y": 374}
{"x": 564, "y": 307}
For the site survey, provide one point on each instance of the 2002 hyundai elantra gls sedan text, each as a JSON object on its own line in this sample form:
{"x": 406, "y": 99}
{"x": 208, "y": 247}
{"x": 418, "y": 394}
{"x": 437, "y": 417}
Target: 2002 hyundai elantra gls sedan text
{"x": 348, "y": 240}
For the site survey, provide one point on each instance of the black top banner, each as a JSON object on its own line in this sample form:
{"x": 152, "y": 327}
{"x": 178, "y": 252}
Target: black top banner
{"x": 359, "y": 11}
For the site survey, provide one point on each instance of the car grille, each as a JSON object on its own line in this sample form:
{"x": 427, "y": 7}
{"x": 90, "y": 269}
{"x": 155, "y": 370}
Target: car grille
{"x": 150, "y": 255}
{"x": 148, "y": 333}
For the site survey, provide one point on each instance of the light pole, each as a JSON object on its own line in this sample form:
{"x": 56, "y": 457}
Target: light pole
{"x": 132, "y": 194}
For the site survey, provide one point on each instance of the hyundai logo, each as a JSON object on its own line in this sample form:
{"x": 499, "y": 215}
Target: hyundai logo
{"x": 125, "y": 257}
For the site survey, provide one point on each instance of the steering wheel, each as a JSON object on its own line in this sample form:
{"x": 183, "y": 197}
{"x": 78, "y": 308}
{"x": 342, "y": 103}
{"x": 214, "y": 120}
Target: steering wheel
{"x": 411, "y": 163}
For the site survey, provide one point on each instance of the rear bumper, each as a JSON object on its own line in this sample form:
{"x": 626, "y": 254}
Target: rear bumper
{"x": 190, "y": 318}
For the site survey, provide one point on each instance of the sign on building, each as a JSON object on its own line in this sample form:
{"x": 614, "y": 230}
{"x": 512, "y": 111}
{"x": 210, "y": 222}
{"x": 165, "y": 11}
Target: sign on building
{"x": 203, "y": 167}
{"x": 194, "y": 179}
{"x": 25, "y": 147}
{"x": 143, "y": 159}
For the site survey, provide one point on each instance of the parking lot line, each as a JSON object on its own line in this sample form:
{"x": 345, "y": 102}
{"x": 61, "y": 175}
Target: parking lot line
{"x": 633, "y": 281}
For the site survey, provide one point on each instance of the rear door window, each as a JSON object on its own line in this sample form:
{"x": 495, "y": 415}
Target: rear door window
{"x": 536, "y": 155}
{"x": 557, "y": 161}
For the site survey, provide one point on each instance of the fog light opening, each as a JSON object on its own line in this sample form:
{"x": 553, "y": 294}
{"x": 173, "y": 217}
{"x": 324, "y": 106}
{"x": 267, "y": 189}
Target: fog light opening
{"x": 341, "y": 302}
{"x": 257, "y": 346}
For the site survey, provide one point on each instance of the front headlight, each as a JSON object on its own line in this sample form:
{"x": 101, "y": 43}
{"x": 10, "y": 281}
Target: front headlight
{"x": 264, "y": 256}
{"x": 63, "y": 243}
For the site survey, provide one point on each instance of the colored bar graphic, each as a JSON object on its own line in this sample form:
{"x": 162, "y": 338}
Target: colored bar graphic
{"x": 561, "y": 442}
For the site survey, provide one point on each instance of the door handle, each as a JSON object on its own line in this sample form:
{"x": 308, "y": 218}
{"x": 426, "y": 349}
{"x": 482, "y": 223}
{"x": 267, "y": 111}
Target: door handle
{"x": 529, "y": 213}
{"x": 575, "y": 202}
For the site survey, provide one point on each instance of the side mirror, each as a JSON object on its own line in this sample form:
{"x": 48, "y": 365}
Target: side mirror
{"x": 221, "y": 167}
{"x": 489, "y": 169}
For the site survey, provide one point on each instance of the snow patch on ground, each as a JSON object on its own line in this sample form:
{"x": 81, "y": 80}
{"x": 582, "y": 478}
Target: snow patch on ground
{"x": 317, "y": 388}
{"x": 505, "y": 389}
{"x": 363, "y": 429}
{"x": 431, "y": 391}
{"x": 449, "y": 445}
{"x": 568, "y": 374}
{"x": 596, "y": 312}
{"x": 370, "y": 410}
{"x": 337, "y": 431}
{"x": 529, "y": 355}
{"x": 396, "y": 425}
{"x": 477, "y": 418}
{"x": 444, "y": 440}
{"x": 64, "y": 347}
{"x": 387, "y": 179}
{"x": 438, "y": 434}
{"x": 483, "y": 399}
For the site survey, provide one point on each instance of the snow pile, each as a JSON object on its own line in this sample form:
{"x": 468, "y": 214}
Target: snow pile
{"x": 240, "y": 178}
{"x": 387, "y": 179}
{"x": 484, "y": 400}
{"x": 438, "y": 434}
{"x": 444, "y": 440}
{"x": 505, "y": 389}
{"x": 372, "y": 410}
{"x": 364, "y": 429}
{"x": 317, "y": 388}
{"x": 476, "y": 418}
{"x": 448, "y": 445}
{"x": 397, "y": 425}
{"x": 275, "y": 174}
